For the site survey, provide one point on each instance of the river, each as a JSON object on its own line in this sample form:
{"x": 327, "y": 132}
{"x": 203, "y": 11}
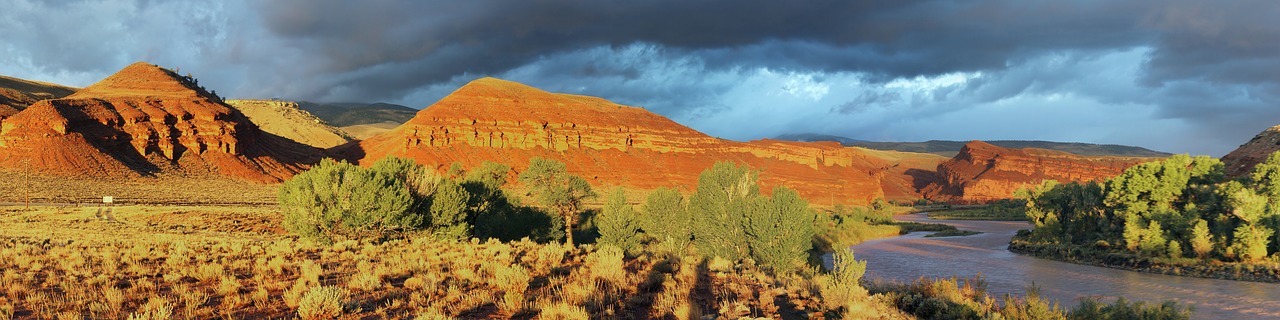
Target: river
{"x": 909, "y": 257}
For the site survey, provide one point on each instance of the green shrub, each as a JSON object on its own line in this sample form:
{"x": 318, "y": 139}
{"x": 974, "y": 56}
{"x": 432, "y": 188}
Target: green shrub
{"x": 618, "y": 224}
{"x": 666, "y": 220}
{"x": 1092, "y": 308}
{"x": 841, "y": 286}
{"x": 780, "y": 230}
{"x": 449, "y": 211}
{"x": 719, "y": 207}
{"x": 338, "y": 200}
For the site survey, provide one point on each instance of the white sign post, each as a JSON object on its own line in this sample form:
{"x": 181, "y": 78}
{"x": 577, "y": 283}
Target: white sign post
{"x": 108, "y": 200}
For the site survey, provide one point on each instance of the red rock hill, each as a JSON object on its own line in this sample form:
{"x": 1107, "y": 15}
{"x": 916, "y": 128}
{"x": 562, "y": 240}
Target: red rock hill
{"x": 611, "y": 144}
{"x": 983, "y": 172}
{"x": 145, "y": 120}
{"x": 1240, "y": 161}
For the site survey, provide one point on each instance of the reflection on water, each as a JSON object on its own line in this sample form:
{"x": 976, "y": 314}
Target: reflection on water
{"x": 912, "y": 256}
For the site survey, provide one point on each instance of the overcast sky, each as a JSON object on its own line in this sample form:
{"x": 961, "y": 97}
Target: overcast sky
{"x": 1198, "y": 77}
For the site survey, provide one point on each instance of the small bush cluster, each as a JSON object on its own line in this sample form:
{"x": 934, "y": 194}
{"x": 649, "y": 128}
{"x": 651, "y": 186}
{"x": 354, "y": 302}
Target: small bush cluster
{"x": 336, "y": 201}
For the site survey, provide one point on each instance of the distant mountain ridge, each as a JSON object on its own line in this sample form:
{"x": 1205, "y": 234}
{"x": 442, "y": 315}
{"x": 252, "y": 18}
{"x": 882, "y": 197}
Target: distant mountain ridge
{"x": 361, "y": 120}
{"x": 16, "y": 94}
{"x": 949, "y": 148}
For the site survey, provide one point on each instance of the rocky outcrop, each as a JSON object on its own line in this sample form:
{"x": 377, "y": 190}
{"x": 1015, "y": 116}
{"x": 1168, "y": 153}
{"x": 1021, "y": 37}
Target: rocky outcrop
{"x": 611, "y": 144}
{"x": 141, "y": 121}
{"x": 983, "y": 172}
{"x": 287, "y": 119}
{"x": 1240, "y": 161}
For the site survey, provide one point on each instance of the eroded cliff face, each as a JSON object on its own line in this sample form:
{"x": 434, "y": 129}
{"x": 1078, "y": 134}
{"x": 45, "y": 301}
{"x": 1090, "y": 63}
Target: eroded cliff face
{"x": 610, "y": 144}
{"x": 1240, "y": 162}
{"x": 983, "y": 172}
{"x": 145, "y": 120}
{"x": 288, "y": 120}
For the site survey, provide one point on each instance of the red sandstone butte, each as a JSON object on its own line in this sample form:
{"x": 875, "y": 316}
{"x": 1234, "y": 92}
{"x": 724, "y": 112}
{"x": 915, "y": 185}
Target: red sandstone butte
{"x": 142, "y": 121}
{"x": 615, "y": 145}
{"x": 982, "y": 172}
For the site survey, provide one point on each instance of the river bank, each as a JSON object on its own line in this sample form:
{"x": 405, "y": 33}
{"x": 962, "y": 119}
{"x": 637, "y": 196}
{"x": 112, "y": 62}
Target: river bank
{"x": 1187, "y": 267}
{"x": 904, "y": 259}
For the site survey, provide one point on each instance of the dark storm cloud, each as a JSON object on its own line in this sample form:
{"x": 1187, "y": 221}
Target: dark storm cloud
{"x": 432, "y": 41}
{"x": 1214, "y": 66}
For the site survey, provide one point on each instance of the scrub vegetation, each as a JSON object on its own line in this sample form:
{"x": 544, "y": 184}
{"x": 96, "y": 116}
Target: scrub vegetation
{"x": 396, "y": 240}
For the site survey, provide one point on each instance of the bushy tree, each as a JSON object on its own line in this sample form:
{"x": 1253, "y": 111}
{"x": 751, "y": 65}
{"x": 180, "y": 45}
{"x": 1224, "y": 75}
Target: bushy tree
{"x": 449, "y": 211}
{"x": 1153, "y": 241}
{"x": 558, "y": 190}
{"x": 338, "y": 200}
{"x": 1251, "y": 242}
{"x": 666, "y": 219}
{"x": 618, "y": 224}
{"x": 719, "y": 208}
{"x": 780, "y": 230}
{"x": 1201, "y": 241}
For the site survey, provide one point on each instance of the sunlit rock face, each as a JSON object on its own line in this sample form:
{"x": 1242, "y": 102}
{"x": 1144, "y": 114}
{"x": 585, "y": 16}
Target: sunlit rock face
{"x": 1241, "y": 161}
{"x": 146, "y": 120}
{"x": 288, "y": 120}
{"x": 983, "y": 172}
{"x": 615, "y": 145}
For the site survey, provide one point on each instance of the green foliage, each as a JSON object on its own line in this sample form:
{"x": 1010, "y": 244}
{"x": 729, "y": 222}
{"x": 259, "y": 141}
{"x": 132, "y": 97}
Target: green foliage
{"x": 780, "y": 230}
{"x": 618, "y": 224}
{"x": 841, "y": 286}
{"x": 733, "y": 221}
{"x": 848, "y": 226}
{"x": 967, "y": 299}
{"x": 514, "y": 222}
{"x": 1266, "y": 177}
{"x": 1251, "y": 242}
{"x": 1175, "y": 249}
{"x": 558, "y": 190}
{"x": 1005, "y": 209}
{"x": 666, "y": 220}
{"x": 336, "y": 201}
{"x": 1158, "y": 208}
{"x": 1121, "y": 309}
{"x": 1152, "y": 242}
{"x": 720, "y": 207}
{"x": 449, "y": 210}
{"x": 1201, "y": 241}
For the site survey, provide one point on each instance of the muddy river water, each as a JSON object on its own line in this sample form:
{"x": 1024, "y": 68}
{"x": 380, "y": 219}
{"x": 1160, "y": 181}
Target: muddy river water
{"x": 912, "y": 256}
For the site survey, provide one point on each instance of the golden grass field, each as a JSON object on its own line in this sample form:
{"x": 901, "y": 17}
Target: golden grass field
{"x": 153, "y": 262}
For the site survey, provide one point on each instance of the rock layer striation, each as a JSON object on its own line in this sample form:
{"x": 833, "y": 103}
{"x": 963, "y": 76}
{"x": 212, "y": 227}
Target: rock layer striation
{"x": 146, "y": 120}
{"x": 982, "y": 172}
{"x": 611, "y": 144}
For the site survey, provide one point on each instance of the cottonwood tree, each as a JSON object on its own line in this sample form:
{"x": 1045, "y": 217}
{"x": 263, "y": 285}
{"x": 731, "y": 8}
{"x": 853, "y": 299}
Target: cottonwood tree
{"x": 558, "y": 190}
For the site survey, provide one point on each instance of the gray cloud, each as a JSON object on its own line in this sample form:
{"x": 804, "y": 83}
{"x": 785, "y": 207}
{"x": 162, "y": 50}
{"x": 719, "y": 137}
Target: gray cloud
{"x": 1211, "y": 67}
